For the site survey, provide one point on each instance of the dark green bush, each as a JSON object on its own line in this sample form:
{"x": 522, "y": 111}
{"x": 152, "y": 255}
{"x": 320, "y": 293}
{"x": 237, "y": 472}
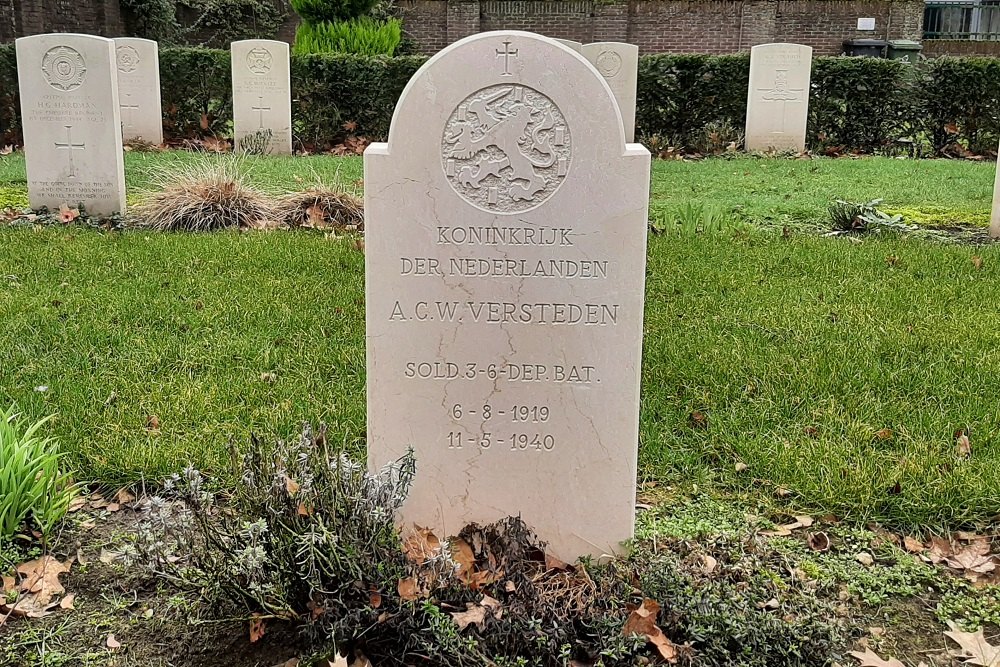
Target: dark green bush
{"x": 10, "y": 112}
{"x": 323, "y": 11}
{"x": 946, "y": 105}
{"x": 679, "y": 95}
{"x": 197, "y": 91}
{"x": 961, "y": 103}
{"x": 330, "y": 90}
{"x": 860, "y": 104}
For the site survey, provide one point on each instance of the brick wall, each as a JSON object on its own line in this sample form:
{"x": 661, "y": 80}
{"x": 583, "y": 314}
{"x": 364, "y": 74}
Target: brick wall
{"x": 678, "y": 26}
{"x": 30, "y": 17}
{"x": 693, "y": 26}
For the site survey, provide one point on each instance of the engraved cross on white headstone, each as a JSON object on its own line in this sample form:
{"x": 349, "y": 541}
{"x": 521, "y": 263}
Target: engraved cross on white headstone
{"x": 506, "y": 55}
{"x": 70, "y": 146}
{"x": 129, "y": 108}
{"x": 781, "y": 93}
{"x": 260, "y": 112}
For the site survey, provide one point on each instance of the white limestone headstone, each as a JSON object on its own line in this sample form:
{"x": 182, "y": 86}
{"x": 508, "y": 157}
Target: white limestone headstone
{"x": 778, "y": 97}
{"x": 71, "y": 122}
{"x": 995, "y": 216}
{"x": 138, "y": 64}
{"x": 504, "y": 260}
{"x": 618, "y": 63}
{"x": 262, "y": 96}
{"x": 576, "y": 46}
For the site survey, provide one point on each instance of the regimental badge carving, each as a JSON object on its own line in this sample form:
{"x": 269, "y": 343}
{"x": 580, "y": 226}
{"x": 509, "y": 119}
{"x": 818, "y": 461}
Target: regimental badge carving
{"x": 781, "y": 91}
{"x": 64, "y": 68}
{"x": 259, "y": 60}
{"x": 127, "y": 58}
{"x": 506, "y": 148}
{"x": 609, "y": 63}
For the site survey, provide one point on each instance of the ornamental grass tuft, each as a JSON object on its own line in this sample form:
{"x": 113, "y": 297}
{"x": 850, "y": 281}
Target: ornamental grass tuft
{"x": 206, "y": 197}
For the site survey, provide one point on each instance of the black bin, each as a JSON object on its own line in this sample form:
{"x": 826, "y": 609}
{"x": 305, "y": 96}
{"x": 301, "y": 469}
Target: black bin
{"x": 871, "y": 48}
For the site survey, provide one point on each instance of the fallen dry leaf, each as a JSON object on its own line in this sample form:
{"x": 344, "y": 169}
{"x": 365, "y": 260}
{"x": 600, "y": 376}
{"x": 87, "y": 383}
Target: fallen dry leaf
{"x": 421, "y": 545}
{"x": 819, "y": 542}
{"x": 338, "y": 661}
{"x": 973, "y": 560}
{"x": 977, "y": 261}
{"x": 871, "y": 659}
{"x": 112, "y": 642}
{"x": 473, "y": 614}
{"x": 374, "y": 597}
{"x": 884, "y": 434}
{"x": 913, "y": 545}
{"x": 963, "y": 447}
{"x": 257, "y": 629}
{"x": 642, "y": 621}
{"x": 865, "y": 559}
{"x": 408, "y": 589}
{"x": 975, "y": 650}
{"x": 786, "y": 529}
{"x": 291, "y": 486}
{"x": 77, "y": 504}
{"x": 67, "y": 602}
{"x": 462, "y": 554}
{"x": 124, "y": 497}
{"x": 708, "y": 564}
{"x": 152, "y": 423}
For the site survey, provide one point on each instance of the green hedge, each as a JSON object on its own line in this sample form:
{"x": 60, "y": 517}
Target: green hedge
{"x": 856, "y": 104}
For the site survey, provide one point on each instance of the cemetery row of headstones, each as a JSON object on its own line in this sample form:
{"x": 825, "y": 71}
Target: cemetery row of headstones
{"x": 82, "y": 96}
{"x": 73, "y": 129}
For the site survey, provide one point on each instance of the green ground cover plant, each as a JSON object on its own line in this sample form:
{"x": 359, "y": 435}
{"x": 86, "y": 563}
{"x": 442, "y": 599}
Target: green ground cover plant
{"x": 833, "y": 371}
{"x": 34, "y": 483}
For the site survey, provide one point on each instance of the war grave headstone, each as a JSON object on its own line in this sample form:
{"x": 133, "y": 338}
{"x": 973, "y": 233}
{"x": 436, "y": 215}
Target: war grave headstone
{"x": 995, "y": 215}
{"x": 71, "y": 122}
{"x": 262, "y": 102}
{"x": 778, "y": 97}
{"x": 138, "y": 64}
{"x": 618, "y": 63}
{"x": 505, "y": 258}
{"x": 576, "y": 46}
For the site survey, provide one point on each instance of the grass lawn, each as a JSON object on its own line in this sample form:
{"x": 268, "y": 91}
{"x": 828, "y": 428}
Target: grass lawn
{"x": 836, "y": 370}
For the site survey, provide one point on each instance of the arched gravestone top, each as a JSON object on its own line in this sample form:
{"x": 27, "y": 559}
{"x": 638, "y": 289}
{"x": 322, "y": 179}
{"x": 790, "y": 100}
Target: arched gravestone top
{"x": 505, "y": 240}
{"x": 71, "y": 122}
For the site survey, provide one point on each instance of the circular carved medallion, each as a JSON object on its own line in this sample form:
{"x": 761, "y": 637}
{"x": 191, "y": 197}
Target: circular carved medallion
{"x": 259, "y": 60}
{"x": 64, "y": 68}
{"x": 506, "y": 148}
{"x": 127, "y": 58}
{"x": 609, "y": 63}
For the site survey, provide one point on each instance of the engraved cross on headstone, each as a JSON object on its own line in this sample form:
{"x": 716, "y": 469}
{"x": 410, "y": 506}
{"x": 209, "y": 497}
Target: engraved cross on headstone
{"x": 506, "y": 55}
{"x": 130, "y": 108}
{"x": 781, "y": 93}
{"x": 70, "y": 146}
{"x": 260, "y": 112}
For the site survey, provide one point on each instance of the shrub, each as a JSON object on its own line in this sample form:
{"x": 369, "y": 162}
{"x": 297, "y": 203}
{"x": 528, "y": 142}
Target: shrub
{"x": 32, "y": 481}
{"x": 220, "y": 22}
{"x": 860, "y": 104}
{"x": 10, "y": 111}
{"x": 310, "y": 539}
{"x": 959, "y": 99}
{"x": 206, "y": 197}
{"x": 329, "y": 11}
{"x": 362, "y": 36}
{"x": 197, "y": 91}
{"x": 309, "y": 530}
